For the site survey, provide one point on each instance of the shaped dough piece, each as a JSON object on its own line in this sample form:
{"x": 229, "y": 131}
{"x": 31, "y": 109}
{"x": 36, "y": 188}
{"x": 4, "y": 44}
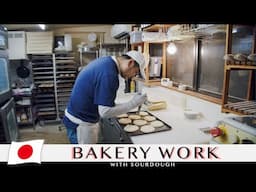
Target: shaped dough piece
{"x": 131, "y": 128}
{"x": 149, "y": 118}
{"x": 157, "y": 124}
{"x": 147, "y": 129}
{"x": 122, "y": 115}
{"x": 124, "y": 121}
{"x": 134, "y": 117}
{"x": 143, "y": 113}
{"x": 139, "y": 122}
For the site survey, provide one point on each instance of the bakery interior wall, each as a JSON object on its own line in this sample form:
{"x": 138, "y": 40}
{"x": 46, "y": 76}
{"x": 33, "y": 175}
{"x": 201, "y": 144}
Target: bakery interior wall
{"x": 80, "y": 34}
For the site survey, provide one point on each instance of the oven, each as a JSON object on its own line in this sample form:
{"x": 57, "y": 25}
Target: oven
{"x": 8, "y": 122}
{"x": 3, "y": 38}
{"x": 5, "y": 87}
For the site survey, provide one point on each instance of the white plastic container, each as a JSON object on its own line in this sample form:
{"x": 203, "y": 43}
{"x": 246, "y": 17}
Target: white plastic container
{"x": 135, "y": 37}
{"x": 182, "y": 87}
{"x": 165, "y": 81}
{"x": 191, "y": 114}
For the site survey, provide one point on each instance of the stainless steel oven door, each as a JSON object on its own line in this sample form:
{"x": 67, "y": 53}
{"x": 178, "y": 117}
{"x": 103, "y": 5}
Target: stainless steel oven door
{"x": 3, "y": 38}
{"x": 8, "y": 126}
{"x": 5, "y": 87}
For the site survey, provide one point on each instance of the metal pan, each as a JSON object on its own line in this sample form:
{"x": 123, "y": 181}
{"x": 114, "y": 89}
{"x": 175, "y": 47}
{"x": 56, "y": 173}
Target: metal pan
{"x": 165, "y": 127}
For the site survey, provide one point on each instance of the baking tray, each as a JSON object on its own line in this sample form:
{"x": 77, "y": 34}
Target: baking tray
{"x": 66, "y": 67}
{"x": 165, "y": 127}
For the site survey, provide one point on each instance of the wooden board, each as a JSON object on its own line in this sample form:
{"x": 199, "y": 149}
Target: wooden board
{"x": 245, "y": 107}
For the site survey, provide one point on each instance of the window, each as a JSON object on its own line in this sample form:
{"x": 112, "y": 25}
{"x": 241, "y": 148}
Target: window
{"x": 241, "y": 43}
{"x": 182, "y": 62}
{"x": 211, "y": 64}
{"x": 199, "y": 62}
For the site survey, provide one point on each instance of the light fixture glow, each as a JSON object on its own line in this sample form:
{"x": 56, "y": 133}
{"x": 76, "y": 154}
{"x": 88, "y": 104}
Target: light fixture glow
{"x": 234, "y": 30}
{"x": 42, "y": 26}
{"x": 171, "y": 49}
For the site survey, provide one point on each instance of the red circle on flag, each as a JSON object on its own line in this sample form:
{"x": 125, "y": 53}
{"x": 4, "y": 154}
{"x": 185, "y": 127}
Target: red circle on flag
{"x": 25, "y": 151}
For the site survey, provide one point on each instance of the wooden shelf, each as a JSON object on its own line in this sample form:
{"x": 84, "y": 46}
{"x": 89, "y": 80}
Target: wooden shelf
{"x": 244, "y": 107}
{"x": 152, "y": 83}
{"x": 247, "y": 107}
{"x": 145, "y": 46}
{"x": 137, "y": 44}
{"x": 157, "y": 27}
{"x": 239, "y": 67}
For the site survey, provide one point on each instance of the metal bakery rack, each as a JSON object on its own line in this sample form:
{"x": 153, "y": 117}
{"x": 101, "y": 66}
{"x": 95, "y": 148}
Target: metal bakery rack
{"x": 43, "y": 76}
{"x": 65, "y": 74}
{"x": 54, "y": 76}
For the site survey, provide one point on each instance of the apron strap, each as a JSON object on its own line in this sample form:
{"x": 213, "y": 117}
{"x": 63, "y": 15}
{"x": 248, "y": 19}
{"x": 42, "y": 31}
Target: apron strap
{"x": 73, "y": 118}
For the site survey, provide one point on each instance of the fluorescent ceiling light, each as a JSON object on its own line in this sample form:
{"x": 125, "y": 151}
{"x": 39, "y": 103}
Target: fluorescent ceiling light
{"x": 42, "y": 26}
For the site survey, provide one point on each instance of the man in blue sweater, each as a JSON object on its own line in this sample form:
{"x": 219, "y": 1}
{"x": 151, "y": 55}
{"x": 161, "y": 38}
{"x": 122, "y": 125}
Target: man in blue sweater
{"x": 94, "y": 93}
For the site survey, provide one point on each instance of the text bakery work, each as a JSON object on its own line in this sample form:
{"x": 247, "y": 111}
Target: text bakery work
{"x": 141, "y": 152}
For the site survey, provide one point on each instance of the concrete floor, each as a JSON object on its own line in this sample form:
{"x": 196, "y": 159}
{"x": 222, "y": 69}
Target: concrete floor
{"x": 51, "y": 133}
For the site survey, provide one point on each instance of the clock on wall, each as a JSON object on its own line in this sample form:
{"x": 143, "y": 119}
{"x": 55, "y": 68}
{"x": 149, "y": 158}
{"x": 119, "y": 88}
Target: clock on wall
{"x": 92, "y": 37}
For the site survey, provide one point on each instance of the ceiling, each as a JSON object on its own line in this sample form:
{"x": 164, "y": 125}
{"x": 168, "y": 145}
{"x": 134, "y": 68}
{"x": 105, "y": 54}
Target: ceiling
{"x": 35, "y": 27}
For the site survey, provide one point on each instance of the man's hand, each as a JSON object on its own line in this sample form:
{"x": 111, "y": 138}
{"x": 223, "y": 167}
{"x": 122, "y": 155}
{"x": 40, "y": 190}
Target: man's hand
{"x": 107, "y": 112}
{"x": 138, "y": 99}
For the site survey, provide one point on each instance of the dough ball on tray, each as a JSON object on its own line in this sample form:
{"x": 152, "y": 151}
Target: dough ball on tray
{"x": 143, "y": 113}
{"x": 122, "y": 115}
{"x": 124, "y": 121}
{"x": 131, "y": 128}
{"x": 147, "y": 129}
{"x": 139, "y": 122}
{"x": 134, "y": 117}
{"x": 149, "y": 118}
{"x": 157, "y": 124}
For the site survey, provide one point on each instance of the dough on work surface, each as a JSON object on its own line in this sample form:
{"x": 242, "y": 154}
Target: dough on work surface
{"x": 149, "y": 118}
{"x": 147, "y": 129}
{"x": 157, "y": 124}
{"x": 139, "y": 122}
{"x": 124, "y": 121}
{"x": 122, "y": 115}
{"x": 143, "y": 113}
{"x": 134, "y": 117}
{"x": 157, "y": 106}
{"x": 131, "y": 128}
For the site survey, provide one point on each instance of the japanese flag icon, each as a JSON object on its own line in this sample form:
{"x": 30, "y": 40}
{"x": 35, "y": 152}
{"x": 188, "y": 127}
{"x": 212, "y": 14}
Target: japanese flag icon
{"x": 25, "y": 152}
